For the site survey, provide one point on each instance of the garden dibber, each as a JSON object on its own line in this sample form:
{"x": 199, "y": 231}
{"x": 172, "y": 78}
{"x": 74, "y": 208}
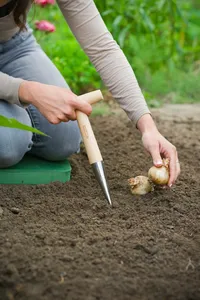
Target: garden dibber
{"x": 91, "y": 146}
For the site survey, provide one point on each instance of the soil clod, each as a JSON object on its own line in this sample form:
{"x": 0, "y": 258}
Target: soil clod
{"x": 15, "y": 210}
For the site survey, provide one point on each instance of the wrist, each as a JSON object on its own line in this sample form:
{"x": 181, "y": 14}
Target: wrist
{"x": 146, "y": 124}
{"x": 25, "y": 89}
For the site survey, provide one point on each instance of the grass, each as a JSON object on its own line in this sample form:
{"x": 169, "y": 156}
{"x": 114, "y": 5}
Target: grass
{"x": 160, "y": 81}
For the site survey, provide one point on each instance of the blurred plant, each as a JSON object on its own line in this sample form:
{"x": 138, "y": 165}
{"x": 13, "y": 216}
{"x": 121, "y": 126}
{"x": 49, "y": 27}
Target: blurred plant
{"x": 44, "y": 2}
{"x": 160, "y": 38}
{"x": 44, "y": 25}
{"x": 164, "y": 27}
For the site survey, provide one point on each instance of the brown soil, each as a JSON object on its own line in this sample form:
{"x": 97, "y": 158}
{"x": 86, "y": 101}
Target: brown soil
{"x": 65, "y": 242}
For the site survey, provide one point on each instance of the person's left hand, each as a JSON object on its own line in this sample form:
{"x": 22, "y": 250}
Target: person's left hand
{"x": 159, "y": 147}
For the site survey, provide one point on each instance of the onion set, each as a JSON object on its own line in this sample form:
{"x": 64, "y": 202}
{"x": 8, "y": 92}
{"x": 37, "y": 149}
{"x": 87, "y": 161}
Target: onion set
{"x": 142, "y": 185}
{"x": 160, "y": 176}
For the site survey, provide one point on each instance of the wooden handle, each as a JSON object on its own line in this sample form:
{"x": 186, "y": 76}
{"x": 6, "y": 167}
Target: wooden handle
{"x": 91, "y": 146}
{"x": 92, "y": 97}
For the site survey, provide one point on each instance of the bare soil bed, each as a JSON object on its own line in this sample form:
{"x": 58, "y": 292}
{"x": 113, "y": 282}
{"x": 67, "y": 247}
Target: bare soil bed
{"x": 62, "y": 241}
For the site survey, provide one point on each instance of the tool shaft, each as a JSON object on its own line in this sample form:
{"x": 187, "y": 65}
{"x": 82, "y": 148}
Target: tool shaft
{"x": 90, "y": 142}
{"x": 89, "y": 139}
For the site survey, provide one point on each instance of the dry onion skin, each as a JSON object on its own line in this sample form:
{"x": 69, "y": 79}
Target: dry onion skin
{"x": 160, "y": 176}
{"x": 140, "y": 185}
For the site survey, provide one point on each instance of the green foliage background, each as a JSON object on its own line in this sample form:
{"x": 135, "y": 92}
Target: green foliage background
{"x": 161, "y": 39}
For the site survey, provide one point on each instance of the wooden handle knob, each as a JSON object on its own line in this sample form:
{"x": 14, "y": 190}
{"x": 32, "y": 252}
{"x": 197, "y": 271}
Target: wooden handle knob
{"x": 91, "y": 146}
{"x": 92, "y": 97}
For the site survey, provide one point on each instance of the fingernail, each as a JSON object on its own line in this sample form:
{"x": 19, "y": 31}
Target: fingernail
{"x": 158, "y": 162}
{"x": 170, "y": 185}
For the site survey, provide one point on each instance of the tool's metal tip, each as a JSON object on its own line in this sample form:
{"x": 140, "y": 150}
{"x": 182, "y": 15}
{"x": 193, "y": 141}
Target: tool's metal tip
{"x": 98, "y": 168}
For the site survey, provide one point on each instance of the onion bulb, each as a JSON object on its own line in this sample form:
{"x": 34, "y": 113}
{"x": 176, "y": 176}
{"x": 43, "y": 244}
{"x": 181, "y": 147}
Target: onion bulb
{"x": 140, "y": 185}
{"x": 160, "y": 175}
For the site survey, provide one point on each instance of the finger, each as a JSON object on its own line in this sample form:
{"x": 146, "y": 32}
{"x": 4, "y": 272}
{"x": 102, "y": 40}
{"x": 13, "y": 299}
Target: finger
{"x": 68, "y": 112}
{"x": 63, "y": 118}
{"x": 178, "y": 167}
{"x": 72, "y": 115}
{"x": 54, "y": 120}
{"x": 172, "y": 166}
{"x": 82, "y": 106}
{"x": 155, "y": 153}
{"x": 178, "y": 170}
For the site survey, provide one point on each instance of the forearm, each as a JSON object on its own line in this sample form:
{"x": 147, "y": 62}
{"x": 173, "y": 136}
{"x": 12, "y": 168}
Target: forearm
{"x": 9, "y": 88}
{"x": 107, "y": 57}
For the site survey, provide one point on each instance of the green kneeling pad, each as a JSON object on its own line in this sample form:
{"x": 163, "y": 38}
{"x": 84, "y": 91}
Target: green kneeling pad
{"x": 33, "y": 170}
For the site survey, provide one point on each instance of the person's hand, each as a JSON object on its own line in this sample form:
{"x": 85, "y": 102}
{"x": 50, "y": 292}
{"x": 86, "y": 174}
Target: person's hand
{"x": 56, "y": 104}
{"x": 159, "y": 147}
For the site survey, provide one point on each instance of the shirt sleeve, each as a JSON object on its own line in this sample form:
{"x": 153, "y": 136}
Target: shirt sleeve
{"x": 110, "y": 62}
{"x": 9, "y": 88}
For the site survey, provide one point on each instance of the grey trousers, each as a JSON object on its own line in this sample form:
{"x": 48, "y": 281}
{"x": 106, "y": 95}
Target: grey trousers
{"x": 22, "y": 57}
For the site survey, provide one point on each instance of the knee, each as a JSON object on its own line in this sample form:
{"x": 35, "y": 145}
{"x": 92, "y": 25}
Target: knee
{"x": 72, "y": 147}
{"x": 14, "y": 145}
{"x": 65, "y": 147}
{"x": 65, "y": 150}
{"x": 8, "y": 159}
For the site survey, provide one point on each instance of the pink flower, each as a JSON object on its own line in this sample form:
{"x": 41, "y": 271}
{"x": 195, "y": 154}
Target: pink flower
{"x": 44, "y": 2}
{"x": 45, "y": 26}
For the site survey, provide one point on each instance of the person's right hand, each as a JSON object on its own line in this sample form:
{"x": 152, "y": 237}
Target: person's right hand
{"x": 56, "y": 104}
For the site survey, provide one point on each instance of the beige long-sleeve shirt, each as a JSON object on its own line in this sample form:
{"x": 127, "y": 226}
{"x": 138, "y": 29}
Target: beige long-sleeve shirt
{"x": 89, "y": 29}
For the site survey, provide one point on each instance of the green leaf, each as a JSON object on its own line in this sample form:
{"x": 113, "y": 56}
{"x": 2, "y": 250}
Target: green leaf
{"x": 122, "y": 35}
{"x": 147, "y": 20}
{"x": 107, "y": 12}
{"x": 161, "y": 4}
{"x": 117, "y": 21}
{"x": 12, "y": 123}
